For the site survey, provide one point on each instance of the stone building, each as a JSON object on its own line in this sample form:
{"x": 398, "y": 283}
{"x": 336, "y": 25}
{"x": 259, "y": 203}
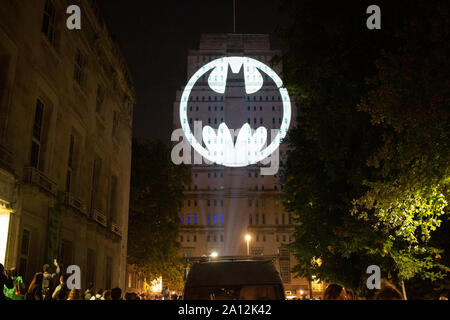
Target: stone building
{"x": 224, "y": 204}
{"x": 66, "y": 102}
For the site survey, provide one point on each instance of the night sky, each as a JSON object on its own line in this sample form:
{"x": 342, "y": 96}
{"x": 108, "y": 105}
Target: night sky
{"x": 155, "y": 37}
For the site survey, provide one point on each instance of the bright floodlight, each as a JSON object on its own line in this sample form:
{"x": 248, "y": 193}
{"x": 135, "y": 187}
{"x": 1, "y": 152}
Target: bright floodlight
{"x": 214, "y": 254}
{"x": 248, "y": 237}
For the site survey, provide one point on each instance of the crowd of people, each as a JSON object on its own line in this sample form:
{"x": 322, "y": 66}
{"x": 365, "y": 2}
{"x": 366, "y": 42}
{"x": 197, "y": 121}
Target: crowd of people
{"x": 387, "y": 291}
{"x": 46, "y": 285}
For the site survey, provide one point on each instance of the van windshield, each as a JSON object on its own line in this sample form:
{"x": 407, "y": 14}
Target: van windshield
{"x": 245, "y": 292}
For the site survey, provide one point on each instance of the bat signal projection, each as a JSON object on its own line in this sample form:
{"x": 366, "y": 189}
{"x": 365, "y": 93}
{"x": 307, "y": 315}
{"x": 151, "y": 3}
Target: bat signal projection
{"x": 251, "y": 145}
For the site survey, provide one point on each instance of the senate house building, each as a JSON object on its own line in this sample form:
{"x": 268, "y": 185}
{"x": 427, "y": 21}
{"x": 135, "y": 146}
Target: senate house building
{"x": 237, "y": 211}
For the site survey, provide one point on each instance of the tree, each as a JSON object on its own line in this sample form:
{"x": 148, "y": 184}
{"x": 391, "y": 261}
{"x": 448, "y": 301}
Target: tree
{"x": 156, "y": 194}
{"x": 328, "y": 173}
{"x": 410, "y": 101}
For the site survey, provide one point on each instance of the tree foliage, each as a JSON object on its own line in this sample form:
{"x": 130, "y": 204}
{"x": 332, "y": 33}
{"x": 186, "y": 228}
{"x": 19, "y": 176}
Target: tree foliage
{"x": 410, "y": 101}
{"x": 350, "y": 178}
{"x": 156, "y": 194}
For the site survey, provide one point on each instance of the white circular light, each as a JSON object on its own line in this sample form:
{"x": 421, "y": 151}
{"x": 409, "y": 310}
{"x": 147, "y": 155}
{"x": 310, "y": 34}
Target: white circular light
{"x": 247, "y": 149}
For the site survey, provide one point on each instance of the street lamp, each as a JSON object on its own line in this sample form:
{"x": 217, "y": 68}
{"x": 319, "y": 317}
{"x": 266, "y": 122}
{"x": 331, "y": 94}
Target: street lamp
{"x": 248, "y": 238}
{"x": 214, "y": 254}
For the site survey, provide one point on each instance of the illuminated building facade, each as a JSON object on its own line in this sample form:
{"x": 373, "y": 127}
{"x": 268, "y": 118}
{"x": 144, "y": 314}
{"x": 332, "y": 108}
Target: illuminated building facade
{"x": 224, "y": 204}
{"x": 66, "y": 102}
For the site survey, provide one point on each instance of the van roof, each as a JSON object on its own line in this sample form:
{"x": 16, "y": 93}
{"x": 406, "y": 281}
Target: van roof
{"x": 232, "y": 272}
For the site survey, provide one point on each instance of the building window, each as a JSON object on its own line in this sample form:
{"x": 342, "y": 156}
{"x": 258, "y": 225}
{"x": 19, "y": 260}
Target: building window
{"x": 113, "y": 200}
{"x": 66, "y": 253}
{"x": 283, "y": 219}
{"x": 188, "y": 219}
{"x": 209, "y": 218}
{"x": 263, "y": 218}
{"x": 90, "y": 270}
{"x": 256, "y": 218}
{"x": 24, "y": 252}
{"x": 221, "y": 238}
{"x": 48, "y": 22}
{"x": 70, "y": 164}
{"x": 221, "y": 218}
{"x": 79, "y": 67}
{"x": 195, "y": 238}
{"x": 209, "y": 203}
{"x": 195, "y": 218}
{"x": 181, "y": 238}
{"x": 250, "y": 219}
{"x": 208, "y": 238}
{"x": 215, "y": 238}
{"x": 99, "y": 99}
{"x": 35, "y": 159}
{"x": 95, "y": 188}
{"x": 115, "y": 126}
{"x": 215, "y": 218}
{"x": 285, "y": 271}
{"x": 182, "y": 219}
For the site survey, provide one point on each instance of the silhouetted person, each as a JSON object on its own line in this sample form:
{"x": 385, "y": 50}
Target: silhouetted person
{"x": 116, "y": 294}
{"x": 335, "y": 292}
{"x": 62, "y": 291}
{"x": 34, "y": 291}
{"x": 5, "y": 281}
{"x": 49, "y": 283}
{"x": 387, "y": 292}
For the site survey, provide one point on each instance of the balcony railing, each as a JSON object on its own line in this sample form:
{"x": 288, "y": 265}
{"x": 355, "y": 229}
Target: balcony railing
{"x": 99, "y": 217}
{"x": 115, "y": 228}
{"x": 5, "y": 158}
{"x": 73, "y": 202}
{"x": 38, "y": 178}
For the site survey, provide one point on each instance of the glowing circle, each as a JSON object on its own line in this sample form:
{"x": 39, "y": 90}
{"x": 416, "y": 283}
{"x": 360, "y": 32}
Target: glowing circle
{"x": 251, "y": 67}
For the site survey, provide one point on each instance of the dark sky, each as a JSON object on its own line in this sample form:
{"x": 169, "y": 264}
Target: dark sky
{"x": 156, "y": 36}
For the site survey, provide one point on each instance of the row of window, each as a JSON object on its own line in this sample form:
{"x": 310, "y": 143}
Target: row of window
{"x": 214, "y": 219}
{"x": 211, "y": 58}
{"x": 191, "y": 108}
{"x": 278, "y": 238}
{"x": 216, "y": 108}
{"x": 203, "y": 98}
{"x": 256, "y": 187}
{"x": 219, "y": 237}
{"x": 209, "y": 238}
{"x": 209, "y": 203}
{"x": 253, "y": 219}
{"x": 261, "y": 120}
{"x": 215, "y": 202}
{"x": 255, "y": 174}
{"x": 261, "y": 108}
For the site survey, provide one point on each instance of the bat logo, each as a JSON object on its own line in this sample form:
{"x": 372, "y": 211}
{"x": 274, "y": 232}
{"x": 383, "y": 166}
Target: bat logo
{"x": 251, "y": 145}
